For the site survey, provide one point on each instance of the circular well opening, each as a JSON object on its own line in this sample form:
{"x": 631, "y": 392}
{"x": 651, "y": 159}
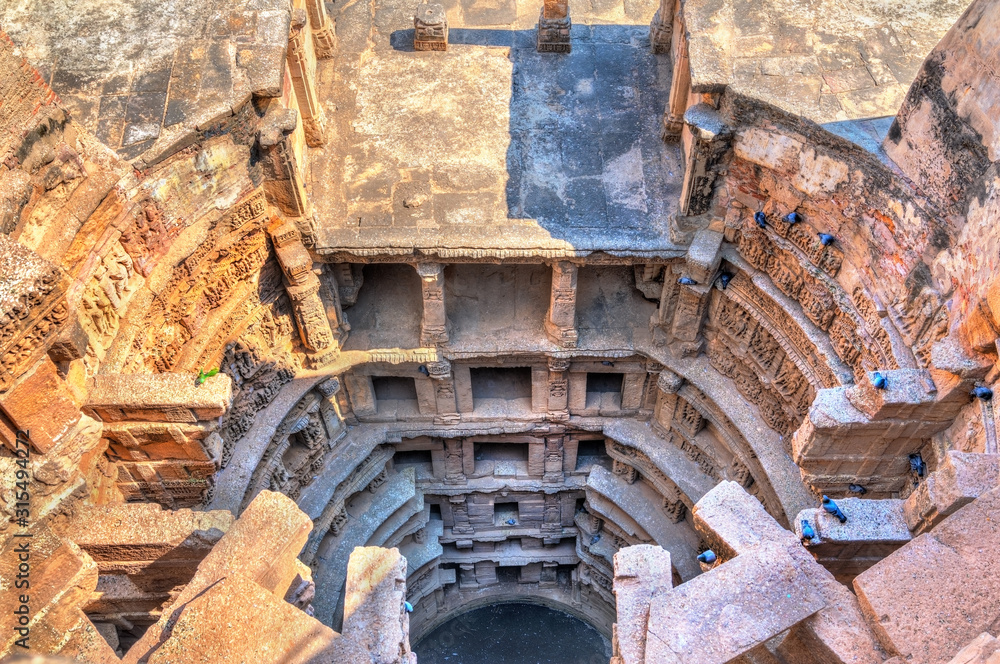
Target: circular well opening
{"x": 514, "y": 634}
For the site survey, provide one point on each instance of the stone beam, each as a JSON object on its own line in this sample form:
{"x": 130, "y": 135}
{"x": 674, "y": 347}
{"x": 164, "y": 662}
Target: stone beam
{"x": 961, "y": 478}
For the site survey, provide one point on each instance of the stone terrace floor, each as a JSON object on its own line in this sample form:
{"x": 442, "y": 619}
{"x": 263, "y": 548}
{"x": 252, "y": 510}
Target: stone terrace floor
{"x": 493, "y": 146}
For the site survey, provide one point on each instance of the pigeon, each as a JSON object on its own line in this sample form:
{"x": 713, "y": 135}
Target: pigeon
{"x": 857, "y": 488}
{"x": 879, "y": 381}
{"x": 793, "y": 218}
{"x": 595, "y": 539}
{"x": 761, "y": 219}
{"x": 511, "y": 522}
{"x": 687, "y": 281}
{"x": 832, "y": 508}
{"x": 826, "y": 239}
{"x": 917, "y": 464}
{"x": 607, "y": 363}
{"x": 983, "y": 393}
{"x": 807, "y": 531}
{"x": 423, "y": 369}
{"x": 708, "y": 557}
{"x": 408, "y": 607}
{"x": 724, "y": 279}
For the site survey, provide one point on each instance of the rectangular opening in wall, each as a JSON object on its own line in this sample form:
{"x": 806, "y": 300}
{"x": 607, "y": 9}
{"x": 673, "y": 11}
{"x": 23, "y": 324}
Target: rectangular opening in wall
{"x": 604, "y": 390}
{"x": 505, "y": 512}
{"x": 501, "y": 459}
{"x": 501, "y": 387}
{"x": 591, "y": 452}
{"x": 412, "y": 458}
{"x": 395, "y": 395}
{"x": 508, "y": 574}
{"x": 436, "y": 512}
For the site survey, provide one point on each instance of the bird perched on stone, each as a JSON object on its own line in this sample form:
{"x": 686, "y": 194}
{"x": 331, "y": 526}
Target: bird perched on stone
{"x": 205, "y": 375}
{"x": 408, "y": 607}
{"x": 511, "y": 522}
{"x": 423, "y": 369}
{"x": 793, "y": 218}
{"x": 807, "y": 530}
{"x": 687, "y": 281}
{"x": 826, "y": 239}
{"x": 857, "y": 488}
{"x": 760, "y": 218}
{"x": 708, "y": 557}
{"x": 879, "y": 381}
{"x": 724, "y": 279}
{"x": 607, "y": 363}
{"x": 595, "y": 539}
{"x": 983, "y": 393}
{"x": 833, "y": 509}
{"x": 917, "y": 464}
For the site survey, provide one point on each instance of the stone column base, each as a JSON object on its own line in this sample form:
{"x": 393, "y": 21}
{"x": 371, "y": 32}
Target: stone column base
{"x": 553, "y": 34}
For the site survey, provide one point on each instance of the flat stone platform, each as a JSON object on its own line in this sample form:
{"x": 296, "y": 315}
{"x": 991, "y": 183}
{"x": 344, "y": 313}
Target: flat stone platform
{"x": 493, "y": 149}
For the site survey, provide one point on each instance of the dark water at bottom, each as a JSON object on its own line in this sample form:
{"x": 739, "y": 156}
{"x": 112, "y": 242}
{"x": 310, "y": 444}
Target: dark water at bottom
{"x": 513, "y": 634}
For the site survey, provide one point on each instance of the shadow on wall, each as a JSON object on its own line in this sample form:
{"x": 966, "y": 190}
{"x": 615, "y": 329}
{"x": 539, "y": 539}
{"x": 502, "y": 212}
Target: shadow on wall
{"x": 585, "y": 148}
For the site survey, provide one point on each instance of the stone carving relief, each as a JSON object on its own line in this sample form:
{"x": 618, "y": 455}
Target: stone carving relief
{"x": 854, "y": 326}
{"x": 223, "y": 268}
{"x": 106, "y": 297}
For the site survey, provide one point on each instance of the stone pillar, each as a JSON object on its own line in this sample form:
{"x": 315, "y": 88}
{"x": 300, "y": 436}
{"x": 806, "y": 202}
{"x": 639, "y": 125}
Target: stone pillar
{"x": 444, "y": 392}
{"x": 577, "y": 392}
{"x": 434, "y": 326}
{"x": 661, "y": 30}
{"x": 560, "y": 321}
{"x": 705, "y": 147}
{"x": 284, "y": 180}
{"x": 558, "y": 389}
{"x": 453, "y": 463}
{"x": 302, "y": 70}
{"x": 361, "y": 393}
{"x": 680, "y": 90}
{"x": 548, "y": 576}
{"x": 632, "y": 390}
{"x": 430, "y": 28}
{"x": 668, "y": 385}
{"x": 460, "y": 516}
{"x": 554, "y": 27}
{"x": 539, "y": 389}
{"x": 302, "y": 286}
{"x": 552, "y": 519}
{"x": 467, "y": 576}
{"x": 324, "y": 42}
{"x": 329, "y": 409}
{"x": 553, "y": 463}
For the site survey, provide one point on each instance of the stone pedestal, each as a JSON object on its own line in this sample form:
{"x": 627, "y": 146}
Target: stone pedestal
{"x": 430, "y": 28}
{"x": 553, "y": 27}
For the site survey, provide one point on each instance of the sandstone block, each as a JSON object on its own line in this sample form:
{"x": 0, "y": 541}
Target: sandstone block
{"x": 961, "y": 479}
{"x": 163, "y": 397}
{"x": 235, "y": 620}
{"x": 984, "y": 649}
{"x": 373, "y": 607}
{"x": 43, "y": 404}
{"x": 735, "y": 607}
{"x": 941, "y": 590}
